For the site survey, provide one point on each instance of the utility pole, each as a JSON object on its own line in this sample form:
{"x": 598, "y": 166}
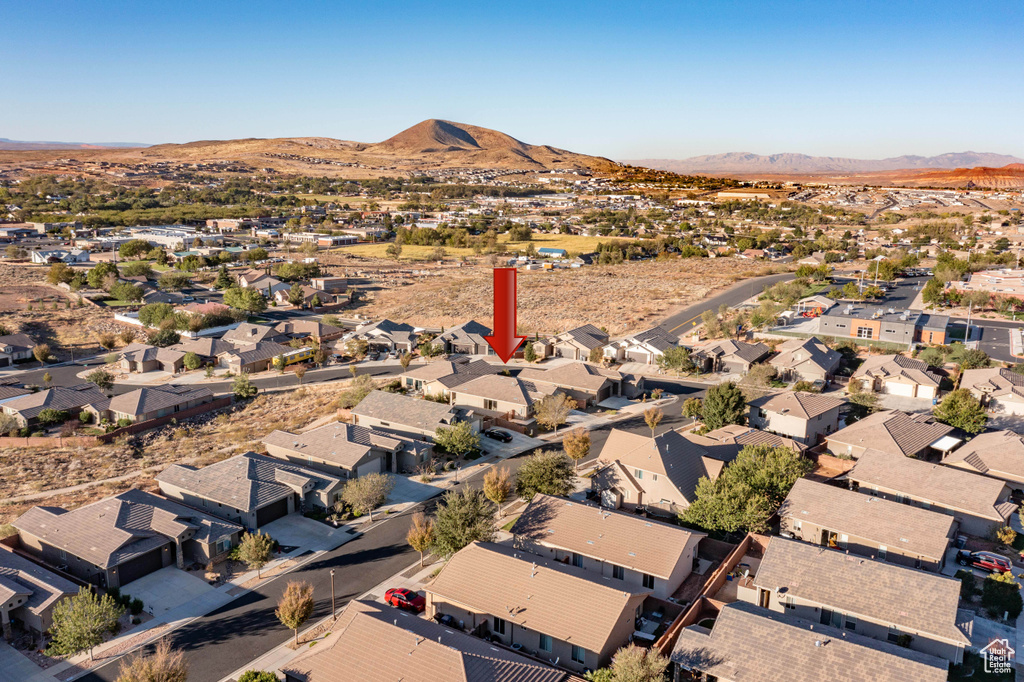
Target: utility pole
{"x": 967, "y": 334}
{"x": 334, "y": 609}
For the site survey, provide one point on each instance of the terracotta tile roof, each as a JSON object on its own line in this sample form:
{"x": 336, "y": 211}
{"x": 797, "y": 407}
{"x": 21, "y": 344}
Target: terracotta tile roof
{"x": 892, "y": 431}
{"x": 373, "y": 643}
{"x": 803, "y": 405}
{"x": 909, "y": 529}
{"x": 750, "y": 644}
{"x": 619, "y": 538}
{"x": 945, "y": 486}
{"x": 545, "y": 596}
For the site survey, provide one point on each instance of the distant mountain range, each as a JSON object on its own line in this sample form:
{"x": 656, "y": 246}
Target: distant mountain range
{"x": 19, "y": 145}
{"x": 745, "y": 162}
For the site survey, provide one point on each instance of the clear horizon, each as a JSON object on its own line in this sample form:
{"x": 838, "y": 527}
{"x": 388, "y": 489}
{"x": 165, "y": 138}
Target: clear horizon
{"x": 667, "y": 81}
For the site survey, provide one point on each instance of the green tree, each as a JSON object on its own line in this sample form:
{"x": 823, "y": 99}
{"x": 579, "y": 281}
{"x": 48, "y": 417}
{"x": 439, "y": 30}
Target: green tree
{"x": 723, "y": 404}
{"x": 529, "y": 354}
{"x": 49, "y": 416}
{"x": 255, "y": 550}
{"x": 248, "y": 300}
{"x": 394, "y": 250}
{"x": 357, "y": 348}
{"x": 257, "y": 676}
{"x": 296, "y": 295}
{"x": 596, "y": 355}
{"x": 747, "y": 492}
{"x": 224, "y": 280}
{"x": 242, "y": 388}
{"x": 59, "y": 273}
{"x": 934, "y": 292}
{"x": 676, "y": 359}
{"x": 127, "y": 292}
{"x": 80, "y": 623}
{"x": 295, "y": 606}
{"x": 41, "y": 353}
{"x": 462, "y": 517}
{"x": 553, "y": 410}
{"x": 405, "y": 360}
{"x": 164, "y": 338}
{"x": 961, "y": 410}
{"x": 102, "y": 378}
{"x": 548, "y": 472}
{"x": 693, "y": 408}
{"x": 134, "y": 248}
{"x": 192, "y": 361}
{"x": 366, "y": 493}
{"x": 97, "y": 275}
{"x": 163, "y": 665}
{"x": 1000, "y": 593}
{"x": 153, "y": 314}
{"x": 139, "y": 268}
{"x": 457, "y": 439}
{"x": 636, "y": 664}
{"x": 174, "y": 281}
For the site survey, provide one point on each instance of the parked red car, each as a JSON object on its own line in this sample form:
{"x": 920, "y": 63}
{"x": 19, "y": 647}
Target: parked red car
{"x": 986, "y": 561}
{"x": 401, "y": 598}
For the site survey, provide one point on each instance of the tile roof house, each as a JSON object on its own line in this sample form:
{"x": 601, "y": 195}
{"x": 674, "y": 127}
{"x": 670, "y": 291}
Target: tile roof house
{"x": 387, "y": 335}
{"x": 898, "y": 375}
{"x": 727, "y": 355}
{"x": 141, "y": 357}
{"x": 439, "y": 377}
{"x": 28, "y": 593}
{"x": 746, "y": 643}
{"x": 15, "y": 347}
{"x": 250, "y": 489}
{"x": 998, "y": 389}
{"x": 121, "y": 538}
{"x": 647, "y": 346}
{"x": 408, "y": 415}
{"x": 866, "y": 525}
{"x": 152, "y": 402}
{"x": 348, "y": 450}
{"x": 644, "y": 554}
{"x": 12, "y": 388}
{"x": 252, "y": 358}
{"x": 872, "y": 598}
{"x": 26, "y": 408}
{"x": 309, "y": 329}
{"x": 891, "y": 431}
{"x": 561, "y": 612}
{"x": 585, "y": 383}
{"x": 739, "y": 437}
{"x": 978, "y": 503}
{"x": 577, "y": 344}
{"x": 662, "y": 472}
{"x": 998, "y": 454}
{"x": 373, "y": 643}
{"x": 467, "y": 339}
{"x": 248, "y": 333}
{"x": 206, "y": 348}
{"x": 805, "y": 360}
{"x": 501, "y": 394}
{"x": 804, "y": 417}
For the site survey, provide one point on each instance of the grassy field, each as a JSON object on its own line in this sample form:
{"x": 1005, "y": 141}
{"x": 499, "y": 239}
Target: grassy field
{"x": 571, "y": 243}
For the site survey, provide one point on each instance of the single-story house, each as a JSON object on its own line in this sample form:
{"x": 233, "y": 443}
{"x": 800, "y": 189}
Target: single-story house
{"x": 585, "y": 383}
{"x": 248, "y": 333}
{"x": 206, "y": 348}
{"x": 348, "y": 450}
{"x": 898, "y": 375}
{"x": 250, "y": 489}
{"x": 141, "y": 357}
{"x": 151, "y": 402}
{"x": 560, "y": 611}
{"x": 999, "y": 389}
{"x": 28, "y": 593}
{"x": 466, "y": 339}
{"x": 805, "y": 360}
{"x": 502, "y": 394}
{"x": 642, "y": 553}
{"x": 60, "y": 256}
{"x": 441, "y": 376}
{"x": 253, "y": 358}
{"x": 864, "y": 525}
{"x": 578, "y": 343}
{"x": 14, "y": 348}
{"x": 122, "y": 538}
{"x": 69, "y": 399}
{"x": 892, "y": 431}
{"x": 413, "y": 416}
{"x": 646, "y": 347}
{"x": 726, "y": 355}
{"x": 387, "y": 335}
{"x": 997, "y": 454}
{"x": 309, "y": 329}
{"x": 804, "y": 417}
{"x": 979, "y": 504}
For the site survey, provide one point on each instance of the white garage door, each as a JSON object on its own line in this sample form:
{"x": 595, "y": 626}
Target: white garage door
{"x": 926, "y": 392}
{"x": 1006, "y": 407}
{"x": 896, "y": 388}
{"x": 373, "y": 467}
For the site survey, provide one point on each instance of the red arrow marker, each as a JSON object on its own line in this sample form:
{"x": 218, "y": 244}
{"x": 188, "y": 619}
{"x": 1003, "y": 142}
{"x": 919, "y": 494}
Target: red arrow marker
{"x": 504, "y": 340}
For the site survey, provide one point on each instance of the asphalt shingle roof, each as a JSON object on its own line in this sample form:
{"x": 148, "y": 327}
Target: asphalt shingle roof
{"x": 891, "y": 366}
{"x": 149, "y": 399}
{"x": 340, "y": 443}
{"x": 18, "y": 575}
{"x": 803, "y": 405}
{"x": 404, "y": 410}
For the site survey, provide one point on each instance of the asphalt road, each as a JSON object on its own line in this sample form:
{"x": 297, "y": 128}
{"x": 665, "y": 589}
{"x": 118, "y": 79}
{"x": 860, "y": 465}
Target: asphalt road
{"x": 683, "y": 321}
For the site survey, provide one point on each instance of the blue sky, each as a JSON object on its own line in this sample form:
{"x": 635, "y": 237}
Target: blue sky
{"x": 624, "y": 80}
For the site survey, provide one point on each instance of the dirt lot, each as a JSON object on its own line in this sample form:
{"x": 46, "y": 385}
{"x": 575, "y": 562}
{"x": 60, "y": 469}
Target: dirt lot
{"x": 198, "y": 441}
{"x": 621, "y": 297}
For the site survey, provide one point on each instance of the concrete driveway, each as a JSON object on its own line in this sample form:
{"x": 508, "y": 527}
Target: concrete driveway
{"x": 295, "y": 530}
{"x": 14, "y": 667}
{"x": 166, "y": 589}
{"x": 520, "y": 443}
{"x": 985, "y": 631}
{"x": 904, "y": 404}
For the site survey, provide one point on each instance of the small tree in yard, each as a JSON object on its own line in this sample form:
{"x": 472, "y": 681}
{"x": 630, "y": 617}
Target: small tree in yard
{"x": 550, "y": 473}
{"x": 300, "y": 371}
{"x": 462, "y": 517}
{"x": 596, "y": 355}
{"x": 295, "y": 606}
{"x": 242, "y": 388}
{"x": 255, "y": 550}
{"x": 80, "y": 622}
{"x": 457, "y": 439}
{"x": 1006, "y": 535}
{"x": 693, "y": 408}
{"x": 724, "y": 404}
{"x": 47, "y": 378}
{"x": 498, "y": 486}
{"x": 163, "y": 665}
{"x": 50, "y": 416}
{"x": 577, "y": 445}
{"x": 962, "y": 410}
{"x": 421, "y": 535}
{"x": 529, "y": 353}
{"x": 636, "y": 664}
{"x": 366, "y": 493}
{"x": 41, "y": 353}
{"x": 7, "y": 423}
{"x": 552, "y": 410}
{"x": 405, "y": 360}
{"x": 101, "y": 377}
{"x": 653, "y": 417}
{"x": 257, "y": 676}
{"x": 676, "y": 359}
{"x": 192, "y": 361}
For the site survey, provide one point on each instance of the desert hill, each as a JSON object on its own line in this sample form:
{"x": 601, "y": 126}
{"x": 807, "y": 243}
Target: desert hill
{"x": 745, "y": 162}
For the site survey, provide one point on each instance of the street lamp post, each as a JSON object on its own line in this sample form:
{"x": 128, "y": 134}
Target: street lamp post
{"x": 334, "y": 610}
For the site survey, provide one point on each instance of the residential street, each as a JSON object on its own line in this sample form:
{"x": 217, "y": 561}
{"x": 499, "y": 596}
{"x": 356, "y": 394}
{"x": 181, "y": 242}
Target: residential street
{"x": 683, "y": 321}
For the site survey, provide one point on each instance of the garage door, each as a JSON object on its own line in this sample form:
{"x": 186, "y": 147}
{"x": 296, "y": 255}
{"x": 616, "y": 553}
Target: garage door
{"x": 272, "y": 512}
{"x": 373, "y": 467}
{"x": 141, "y": 565}
{"x": 636, "y": 356}
{"x": 895, "y": 388}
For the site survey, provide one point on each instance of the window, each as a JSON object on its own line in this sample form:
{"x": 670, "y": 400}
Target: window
{"x": 882, "y": 552}
{"x": 648, "y": 582}
{"x": 638, "y": 473}
{"x": 577, "y": 560}
{"x": 787, "y": 602}
{"x": 654, "y": 477}
{"x": 797, "y": 525}
{"x": 490, "y": 404}
{"x": 618, "y": 572}
{"x": 826, "y": 616}
{"x": 385, "y": 424}
{"x": 865, "y": 333}
{"x": 63, "y": 555}
{"x": 223, "y": 545}
{"x": 499, "y": 625}
{"x": 851, "y": 623}
{"x": 578, "y": 654}
{"x": 894, "y": 634}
